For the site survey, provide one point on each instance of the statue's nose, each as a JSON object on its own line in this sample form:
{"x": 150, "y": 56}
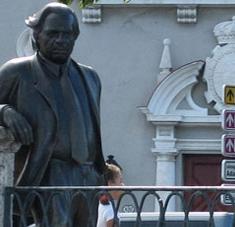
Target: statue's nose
{"x": 59, "y": 37}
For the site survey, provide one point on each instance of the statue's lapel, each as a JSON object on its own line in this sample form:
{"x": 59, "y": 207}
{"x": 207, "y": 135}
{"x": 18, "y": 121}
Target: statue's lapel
{"x": 91, "y": 94}
{"x": 42, "y": 84}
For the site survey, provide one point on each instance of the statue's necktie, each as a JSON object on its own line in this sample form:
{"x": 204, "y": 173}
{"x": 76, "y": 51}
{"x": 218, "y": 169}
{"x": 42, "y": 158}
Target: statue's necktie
{"x": 75, "y": 122}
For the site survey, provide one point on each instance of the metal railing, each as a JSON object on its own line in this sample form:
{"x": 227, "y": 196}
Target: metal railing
{"x": 22, "y": 197}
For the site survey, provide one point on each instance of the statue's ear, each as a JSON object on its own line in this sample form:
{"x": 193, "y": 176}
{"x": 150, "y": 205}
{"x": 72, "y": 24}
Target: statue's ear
{"x": 34, "y": 40}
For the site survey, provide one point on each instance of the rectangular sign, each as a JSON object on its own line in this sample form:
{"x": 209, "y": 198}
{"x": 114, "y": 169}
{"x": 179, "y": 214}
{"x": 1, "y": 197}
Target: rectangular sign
{"x": 225, "y": 199}
{"x": 228, "y": 170}
{"x": 228, "y": 145}
{"x": 229, "y": 94}
{"x": 228, "y": 119}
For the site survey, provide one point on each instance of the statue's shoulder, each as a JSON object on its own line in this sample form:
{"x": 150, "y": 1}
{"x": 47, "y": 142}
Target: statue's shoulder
{"x": 88, "y": 72}
{"x": 16, "y": 64}
{"x": 86, "y": 68}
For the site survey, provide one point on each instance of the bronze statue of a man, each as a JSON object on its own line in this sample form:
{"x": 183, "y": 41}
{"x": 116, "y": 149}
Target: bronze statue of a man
{"x": 51, "y": 105}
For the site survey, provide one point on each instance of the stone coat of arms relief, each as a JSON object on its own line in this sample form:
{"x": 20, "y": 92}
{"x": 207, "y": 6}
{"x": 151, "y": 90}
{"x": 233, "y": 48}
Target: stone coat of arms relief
{"x": 220, "y": 67}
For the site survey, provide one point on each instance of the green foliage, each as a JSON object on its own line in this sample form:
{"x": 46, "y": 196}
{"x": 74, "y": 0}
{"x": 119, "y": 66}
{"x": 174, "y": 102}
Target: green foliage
{"x": 85, "y": 3}
{"x": 67, "y": 2}
{"x": 82, "y": 3}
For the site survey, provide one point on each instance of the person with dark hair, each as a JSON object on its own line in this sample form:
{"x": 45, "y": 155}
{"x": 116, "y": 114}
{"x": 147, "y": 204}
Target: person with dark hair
{"x": 50, "y": 103}
{"x": 113, "y": 177}
{"x": 111, "y": 160}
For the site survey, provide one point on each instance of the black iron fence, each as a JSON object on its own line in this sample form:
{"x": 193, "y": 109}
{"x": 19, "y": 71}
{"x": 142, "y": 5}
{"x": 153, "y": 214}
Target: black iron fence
{"x": 20, "y": 200}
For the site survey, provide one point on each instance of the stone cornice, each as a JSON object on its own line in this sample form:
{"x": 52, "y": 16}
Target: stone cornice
{"x": 170, "y": 119}
{"x": 202, "y": 145}
{"x": 206, "y": 3}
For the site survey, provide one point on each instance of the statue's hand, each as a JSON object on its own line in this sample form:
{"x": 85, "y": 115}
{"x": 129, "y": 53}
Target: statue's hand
{"x": 19, "y": 126}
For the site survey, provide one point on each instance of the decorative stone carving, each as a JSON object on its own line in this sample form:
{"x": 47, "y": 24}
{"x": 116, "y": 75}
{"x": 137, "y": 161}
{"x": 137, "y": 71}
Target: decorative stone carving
{"x": 220, "y": 67}
{"x": 91, "y": 14}
{"x": 225, "y": 32}
{"x": 187, "y": 14}
{"x": 175, "y": 91}
{"x": 164, "y": 140}
{"x": 165, "y": 64}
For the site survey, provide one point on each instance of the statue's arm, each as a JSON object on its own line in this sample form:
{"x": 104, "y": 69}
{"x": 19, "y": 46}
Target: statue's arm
{"x": 9, "y": 116}
{"x": 98, "y": 86}
{"x": 7, "y": 82}
{"x": 94, "y": 81}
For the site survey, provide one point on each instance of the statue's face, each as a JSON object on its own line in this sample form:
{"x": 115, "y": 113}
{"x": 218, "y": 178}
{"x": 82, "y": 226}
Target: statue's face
{"x": 56, "y": 39}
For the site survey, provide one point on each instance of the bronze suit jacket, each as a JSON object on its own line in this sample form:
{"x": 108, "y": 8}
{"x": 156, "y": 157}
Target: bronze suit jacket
{"x": 24, "y": 86}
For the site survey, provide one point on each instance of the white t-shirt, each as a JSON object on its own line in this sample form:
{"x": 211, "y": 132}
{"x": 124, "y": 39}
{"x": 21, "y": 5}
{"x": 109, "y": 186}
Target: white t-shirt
{"x": 105, "y": 213}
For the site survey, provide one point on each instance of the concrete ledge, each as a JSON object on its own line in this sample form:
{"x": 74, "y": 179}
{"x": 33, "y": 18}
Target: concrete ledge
{"x": 221, "y": 219}
{"x": 7, "y": 141}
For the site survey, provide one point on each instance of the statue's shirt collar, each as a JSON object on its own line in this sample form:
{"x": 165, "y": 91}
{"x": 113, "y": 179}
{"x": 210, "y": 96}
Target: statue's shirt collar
{"x": 51, "y": 68}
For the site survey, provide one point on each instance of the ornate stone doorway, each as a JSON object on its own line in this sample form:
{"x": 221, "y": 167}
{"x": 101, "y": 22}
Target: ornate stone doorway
{"x": 186, "y": 107}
